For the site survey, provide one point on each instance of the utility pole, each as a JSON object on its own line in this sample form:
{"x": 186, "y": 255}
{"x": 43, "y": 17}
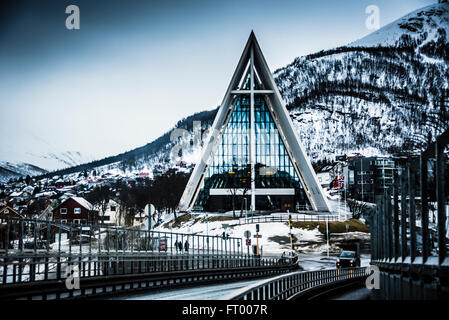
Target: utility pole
{"x": 361, "y": 175}
{"x": 292, "y": 239}
{"x": 207, "y": 226}
{"x": 257, "y": 240}
{"x": 207, "y": 231}
{"x": 327, "y": 233}
{"x": 252, "y": 135}
{"x": 246, "y": 209}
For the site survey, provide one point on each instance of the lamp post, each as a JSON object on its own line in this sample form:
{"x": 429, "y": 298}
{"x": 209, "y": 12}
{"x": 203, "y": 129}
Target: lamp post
{"x": 327, "y": 235}
{"x": 246, "y": 209}
{"x": 207, "y": 231}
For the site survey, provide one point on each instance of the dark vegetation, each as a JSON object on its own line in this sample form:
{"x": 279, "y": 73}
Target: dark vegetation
{"x": 164, "y": 192}
{"x": 334, "y": 226}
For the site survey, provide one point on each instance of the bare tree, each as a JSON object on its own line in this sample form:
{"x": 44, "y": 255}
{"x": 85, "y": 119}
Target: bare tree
{"x": 356, "y": 207}
{"x": 99, "y": 198}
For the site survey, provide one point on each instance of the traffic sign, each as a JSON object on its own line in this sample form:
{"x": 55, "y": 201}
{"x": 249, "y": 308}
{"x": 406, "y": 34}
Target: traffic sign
{"x": 248, "y": 242}
{"x": 247, "y": 234}
{"x": 257, "y": 236}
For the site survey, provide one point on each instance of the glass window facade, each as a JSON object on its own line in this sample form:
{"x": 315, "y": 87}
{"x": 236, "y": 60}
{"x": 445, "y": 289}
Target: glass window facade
{"x": 230, "y": 167}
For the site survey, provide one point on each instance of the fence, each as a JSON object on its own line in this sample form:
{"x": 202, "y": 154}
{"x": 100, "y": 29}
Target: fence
{"x": 284, "y": 218}
{"x": 44, "y": 267}
{"x": 27, "y": 235}
{"x": 33, "y": 250}
{"x": 411, "y": 251}
{"x": 294, "y": 285}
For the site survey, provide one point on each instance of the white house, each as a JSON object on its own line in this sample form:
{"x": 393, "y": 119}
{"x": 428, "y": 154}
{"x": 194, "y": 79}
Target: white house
{"x": 113, "y": 214}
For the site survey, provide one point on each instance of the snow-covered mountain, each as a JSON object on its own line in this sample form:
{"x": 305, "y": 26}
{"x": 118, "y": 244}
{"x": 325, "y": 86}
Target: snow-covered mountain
{"x": 382, "y": 94}
{"x": 373, "y": 96}
{"x": 14, "y": 170}
{"x": 66, "y": 158}
{"x": 418, "y": 24}
{"x": 33, "y": 164}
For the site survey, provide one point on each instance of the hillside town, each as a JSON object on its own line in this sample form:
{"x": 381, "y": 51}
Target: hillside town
{"x": 108, "y": 199}
{"x": 113, "y": 198}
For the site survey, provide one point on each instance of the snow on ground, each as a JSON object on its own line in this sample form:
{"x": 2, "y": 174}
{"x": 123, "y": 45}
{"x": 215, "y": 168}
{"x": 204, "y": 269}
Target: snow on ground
{"x": 275, "y": 235}
{"x": 267, "y": 230}
{"x": 423, "y": 20}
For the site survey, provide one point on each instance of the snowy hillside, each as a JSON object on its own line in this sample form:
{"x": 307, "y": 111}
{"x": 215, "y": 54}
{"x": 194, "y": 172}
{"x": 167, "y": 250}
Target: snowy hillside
{"x": 380, "y": 95}
{"x": 419, "y": 24}
{"x": 373, "y": 99}
{"x": 14, "y": 170}
{"x": 27, "y": 165}
{"x": 65, "y": 159}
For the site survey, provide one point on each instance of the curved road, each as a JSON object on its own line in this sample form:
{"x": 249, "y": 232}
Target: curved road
{"x": 308, "y": 262}
{"x": 207, "y": 292}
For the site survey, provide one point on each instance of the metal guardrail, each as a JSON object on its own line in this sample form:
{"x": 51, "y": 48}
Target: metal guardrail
{"x": 413, "y": 262}
{"x": 41, "y": 267}
{"x": 102, "y": 256}
{"x": 20, "y": 235}
{"x": 130, "y": 283}
{"x": 293, "y": 285}
{"x": 112, "y": 276}
{"x": 295, "y": 218}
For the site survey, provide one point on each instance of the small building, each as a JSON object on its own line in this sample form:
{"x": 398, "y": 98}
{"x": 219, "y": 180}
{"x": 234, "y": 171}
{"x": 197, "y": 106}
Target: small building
{"x": 20, "y": 196}
{"x": 75, "y": 210}
{"x": 324, "y": 175}
{"x": 112, "y": 215}
{"x": 8, "y": 212}
{"x": 59, "y": 184}
{"x": 370, "y": 176}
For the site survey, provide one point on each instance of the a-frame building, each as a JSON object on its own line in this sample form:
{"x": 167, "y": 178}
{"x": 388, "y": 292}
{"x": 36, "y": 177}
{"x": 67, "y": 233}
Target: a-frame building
{"x": 254, "y": 156}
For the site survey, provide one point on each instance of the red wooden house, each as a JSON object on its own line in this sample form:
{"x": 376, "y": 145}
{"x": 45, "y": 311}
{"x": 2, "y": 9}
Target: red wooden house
{"x": 75, "y": 210}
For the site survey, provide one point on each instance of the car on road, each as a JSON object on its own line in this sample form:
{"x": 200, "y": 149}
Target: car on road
{"x": 447, "y": 248}
{"x": 348, "y": 259}
{"x": 289, "y": 257}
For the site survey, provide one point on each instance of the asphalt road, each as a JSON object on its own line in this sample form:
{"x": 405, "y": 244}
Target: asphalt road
{"x": 208, "y": 292}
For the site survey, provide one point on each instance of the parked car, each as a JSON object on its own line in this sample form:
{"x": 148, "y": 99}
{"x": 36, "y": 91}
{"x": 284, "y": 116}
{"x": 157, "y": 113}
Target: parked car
{"x": 348, "y": 259}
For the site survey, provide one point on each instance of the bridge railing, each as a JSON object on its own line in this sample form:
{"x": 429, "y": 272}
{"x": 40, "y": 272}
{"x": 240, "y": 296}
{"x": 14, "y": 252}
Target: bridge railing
{"x": 406, "y": 243}
{"x": 42, "y": 267}
{"x": 34, "y": 250}
{"x": 30, "y": 235}
{"x": 293, "y": 285}
{"x": 402, "y": 230}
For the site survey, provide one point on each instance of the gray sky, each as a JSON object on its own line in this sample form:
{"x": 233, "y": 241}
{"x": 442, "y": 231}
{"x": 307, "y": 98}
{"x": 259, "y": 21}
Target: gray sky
{"x": 137, "y": 67}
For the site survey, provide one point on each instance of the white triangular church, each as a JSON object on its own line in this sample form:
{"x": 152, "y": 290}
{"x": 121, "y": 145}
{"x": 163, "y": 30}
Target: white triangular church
{"x": 254, "y": 159}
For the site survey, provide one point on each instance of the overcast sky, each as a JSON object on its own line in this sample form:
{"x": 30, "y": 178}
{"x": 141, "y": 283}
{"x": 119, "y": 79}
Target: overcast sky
{"x": 136, "y": 67}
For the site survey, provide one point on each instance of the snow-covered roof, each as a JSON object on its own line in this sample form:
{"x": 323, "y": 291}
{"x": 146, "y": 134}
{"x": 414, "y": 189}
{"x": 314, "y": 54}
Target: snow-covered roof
{"x": 29, "y": 189}
{"x": 83, "y": 202}
{"x": 45, "y": 194}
